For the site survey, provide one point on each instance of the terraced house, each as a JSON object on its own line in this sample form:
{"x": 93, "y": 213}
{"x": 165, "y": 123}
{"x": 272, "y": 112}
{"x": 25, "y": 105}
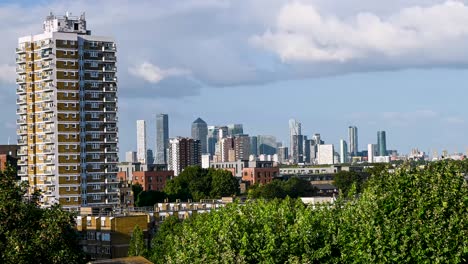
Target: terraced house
{"x": 67, "y": 106}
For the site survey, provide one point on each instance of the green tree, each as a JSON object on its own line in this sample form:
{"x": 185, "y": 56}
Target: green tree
{"x": 293, "y": 187}
{"x": 29, "y": 234}
{"x": 344, "y": 180}
{"x": 149, "y": 198}
{"x": 137, "y": 243}
{"x": 223, "y": 184}
{"x": 136, "y": 189}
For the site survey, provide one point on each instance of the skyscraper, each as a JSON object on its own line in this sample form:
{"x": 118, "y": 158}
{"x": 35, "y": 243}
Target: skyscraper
{"x": 162, "y": 138}
{"x": 235, "y": 129}
{"x": 370, "y": 152}
{"x": 212, "y": 139}
{"x": 200, "y": 132}
{"x": 67, "y": 125}
{"x": 183, "y": 152}
{"x": 381, "y": 143}
{"x": 130, "y": 156}
{"x": 253, "y": 146}
{"x": 343, "y": 151}
{"x": 141, "y": 141}
{"x": 149, "y": 156}
{"x": 266, "y": 145}
{"x": 294, "y": 133}
{"x": 353, "y": 140}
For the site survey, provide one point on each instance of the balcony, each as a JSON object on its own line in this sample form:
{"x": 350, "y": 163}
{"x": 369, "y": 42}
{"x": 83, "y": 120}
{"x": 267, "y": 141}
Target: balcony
{"x": 48, "y": 161}
{"x": 48, "y": 172}
{"x": 110, "y": 99}
{"x": 112, "y": 160}
{"x": 49, "y": 140}
{"x": 21, "y": 131}
{"x": 48, "y": 150}
{"x": 111, "y": 140}
{"x": 20, "y": 111}
{"x": 110, "y": 119}
{"x": 22, "y": 141}
{"x": 20, "y": 121}
{"x": 47, "y": 77}
{"x": 22, "y": 162}
{"x": 109, "y": 58}
{"x": 48, "y": 130}
{"x": 47, "y": 98}
{"x": 22, "y": 152}
{"x": 109, "y": 48}
{"x": 21, "y": 101}
{"x": 22, "y": 173}
{"x": 20, "y": 80}
{"x": 108, "y": 89}
{"x": 21, "y": 60}
{"x": 110, "y": 129}
{"x": 109, "y": 69}
{"x": 47, "y": 109}
{"x": 48, "y": 87}
{"x": 111, "y": 150}
{"x": 20, "y": 50}
{"x": 20, "y": 90}
{"x": 109, "y": 79}
{"x": 48, "y": 120}
{"x": 20, "y": 70}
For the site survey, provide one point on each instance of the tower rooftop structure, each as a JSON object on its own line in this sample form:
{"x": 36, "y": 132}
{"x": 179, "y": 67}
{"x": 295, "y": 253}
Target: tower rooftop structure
{"x": 66, "y": 23}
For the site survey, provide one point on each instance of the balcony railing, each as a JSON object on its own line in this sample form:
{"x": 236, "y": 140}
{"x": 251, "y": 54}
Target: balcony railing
{"x": 109, "y": 69}
{"x": 108, "y": 89}
{"x": 109, "y": 79}
{"x": 109, "y": 58}
{"x": 21, "y": 101}
{"x": 20, "y": 69}
{"x": 20, "y": 121}
{"x": 21, "y": 131}
{"x": 20, "y": 80}
{"x": 109, "y": 48}
{"x": 20, "y": 90}
{"x": 21, "y": 111}
{"x": 21, "y": 50}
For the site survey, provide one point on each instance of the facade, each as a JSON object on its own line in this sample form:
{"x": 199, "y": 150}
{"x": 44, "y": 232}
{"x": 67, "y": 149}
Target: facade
{"x": 234, "y": 167}
{"x": 297, "y": 154}
{"x": 152, "y": 180}
{"x": 381, "y": 143}
{"x": 235, "y": 129}
{"x": 294, "y": 131}
{"x": 326, "y": 154}
{"x": 107, "y": 235}
{"x": 200, "y": 133}
{"x": 266, "y": 145}
{"x": 126, "y": 170}
{"x": 261, "y": 172}
{"x": 241, "y": 147}
{"x": 353, "y": 140}
{"x": 254, "y": 145}
{"x": 343, "y": 151}
{"x": 162, "y": 138}
{"x": 212, "y": 139}
{"x": 283, "y": 155}
{"x": 9, "y": 156}
{"x": 183, "y": 152}
{"x": 149, "y": 157}
{"x": 141, "y": 141}
{"x": 131, "y": 156}
{"x": 67, "y": 106}
{"x": 370, "y": 153}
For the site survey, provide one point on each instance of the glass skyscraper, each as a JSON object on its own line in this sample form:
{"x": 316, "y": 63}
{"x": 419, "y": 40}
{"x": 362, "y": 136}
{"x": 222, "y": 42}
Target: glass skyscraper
{"x": 162, "y": 138}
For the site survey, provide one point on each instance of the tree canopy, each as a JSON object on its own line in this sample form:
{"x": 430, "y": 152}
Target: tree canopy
{"x": 293, "y": 187}
{"x": 410, "y": 216}
{"x": 29, "y": 234}
{"x": 197, "y": 183}
{"x": 137, "y": 243}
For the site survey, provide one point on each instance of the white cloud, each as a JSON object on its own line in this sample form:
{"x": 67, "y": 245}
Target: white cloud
{"x": 7, "y": 73}
{"x": 436, "y": 34}
{"x": 154, "y": 74}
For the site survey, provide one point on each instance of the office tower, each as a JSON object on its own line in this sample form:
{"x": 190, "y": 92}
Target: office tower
{"x": 223, "y": 132}
{"x": 298, "y": 148}
{"x": 343, "y": 151}
{"x": 67, "y": 125}
{"x": 213, "y": 135}
{"x": 253, "y": 146}
{"x": 353, "y": 140}
{"x": 370, "y": 152}
{"x": 381, "y": 143}
{"x": 149, "y": 156}
{"x": 283, "y": 154}
{"x": 294, "y": 132}
{"x": 183, "y": 152}
{"x": 200, "y": 132}
{"x": 326, "y": 154}
{"x": 141, "y": 141}
{"x": 235, "y": 129}
{"x": 226, "y": 148}
{"x": 242, "y": 147}
{"x": 266, "y": 145}
{"x": 162, "y": 138}
{"x": 131, "y": 156}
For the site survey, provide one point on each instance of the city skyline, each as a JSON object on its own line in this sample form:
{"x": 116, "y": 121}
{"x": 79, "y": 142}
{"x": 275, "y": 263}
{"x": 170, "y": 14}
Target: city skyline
{"x": 159, "y": 76}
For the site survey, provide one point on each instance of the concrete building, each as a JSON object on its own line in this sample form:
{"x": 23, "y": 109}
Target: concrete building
{"x": 106, "y": 235}
{"x": 200, "y": 133}
{"x": 326, "y": 154}
{"x": 141, "y": 141}
{"x": 149, "y": 156}
{"x": 67, "y": 106}
{"x": 131, "y": 156}
{"x": 183, "y": 152}
{"x": 283, "y": 155}
{"x": 297, "y": 154}
{"x": 152, "y": 180}
{"x": 343, "y": 151}
{"x": 206, "y": 161}
{"x": 162, "y": 138}
{"x": 241, "y": 147}
{"x": 381, "y": 143}
{"x": 234, "y": 167}
{"x": 370, "y": 152}
{"x": 353, "y": 140}
{"x": 126, "y": 170}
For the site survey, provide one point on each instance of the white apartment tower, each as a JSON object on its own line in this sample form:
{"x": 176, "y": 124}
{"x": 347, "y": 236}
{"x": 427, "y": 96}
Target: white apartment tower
{"x": 141, "y": 141}
{"x": 67, "y": 106}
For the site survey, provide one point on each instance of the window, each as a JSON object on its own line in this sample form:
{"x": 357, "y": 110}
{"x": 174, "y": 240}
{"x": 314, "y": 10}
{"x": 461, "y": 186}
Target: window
{"x": 95, "y": 136}
{"x": 96, "y": 197}
{"x": 93, "y": 53}
{"x": 65, "y": 53}
{"x": 95, "y": 146}
{"x": 94, "y": 85}
{"x": 94, "y": 115}
{"x": 76, "y": 198}
{"x": 94, "y": 105}
{"x": 94, "y": 64}
{"x": 72, "y": 53}
{"x": 64, "y": 42}
{"x": 94, "y": 74}
{"x": 95, "y": 156}
{"x": 91, "y": 235}
{"x": 96, "y": 187}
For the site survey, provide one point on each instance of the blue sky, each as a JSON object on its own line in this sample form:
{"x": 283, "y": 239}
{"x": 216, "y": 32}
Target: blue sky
{"x": 398, "y": 66}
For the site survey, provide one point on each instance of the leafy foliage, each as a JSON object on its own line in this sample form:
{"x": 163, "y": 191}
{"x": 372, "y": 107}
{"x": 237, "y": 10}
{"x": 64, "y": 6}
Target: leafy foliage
{"x": 345, "y": 180}
{"x": 137, "y": 243}
{"x": 410, "y": 216}
{"x": 293, "y": 187}
{"x": 29, "y": 234}
{"x": 149, "y": 198}
{"x": 197, "y": 183}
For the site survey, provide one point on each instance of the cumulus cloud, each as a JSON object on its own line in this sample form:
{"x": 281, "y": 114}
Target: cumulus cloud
{"x": 433, "y": 35}
{"x": 154, "y": 74}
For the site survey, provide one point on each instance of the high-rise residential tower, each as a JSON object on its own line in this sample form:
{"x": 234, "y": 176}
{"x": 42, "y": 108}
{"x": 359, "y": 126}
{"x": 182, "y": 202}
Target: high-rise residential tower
{"x": 183, "y": 152}
{"x": 235, "y": 129}
{"x": 141, "y": 141}
{"x": 343, "y": 151}
{"x": 67, "y": 106}
{"x": 381, "y": 143}
{"x": 162, "y": 138}
{"x": 200, "y": 132}
{"x": 353, "y": 140}
{"x": 295, "y": 134}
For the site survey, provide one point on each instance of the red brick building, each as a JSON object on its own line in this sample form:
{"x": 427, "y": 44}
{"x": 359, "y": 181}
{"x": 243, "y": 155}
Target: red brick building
{"x": 259, "y": 175}
{"x": 152, "y": 180}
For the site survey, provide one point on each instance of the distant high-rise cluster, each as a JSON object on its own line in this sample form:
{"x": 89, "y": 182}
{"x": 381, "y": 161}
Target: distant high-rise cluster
{"x": 162, "y": 138}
